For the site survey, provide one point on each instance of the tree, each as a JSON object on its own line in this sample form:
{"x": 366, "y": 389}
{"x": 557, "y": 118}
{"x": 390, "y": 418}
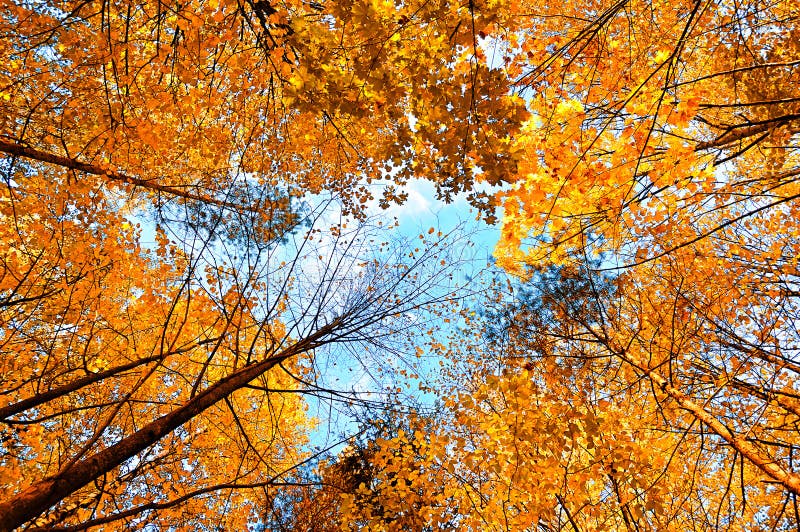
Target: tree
{"x": 657, "y": 138}
{"x": 181, "y": 98}
{"x": 157, "y": 385}
{"x": 661, "y": 140}
{"x": 544, "y": 427}
{"x": 661, "y": 147}
{"x": 315, "y": 505}
{"x": 372, "y": 484}
{"x": 127, "y": 362}
{"x": 653, "y": 128}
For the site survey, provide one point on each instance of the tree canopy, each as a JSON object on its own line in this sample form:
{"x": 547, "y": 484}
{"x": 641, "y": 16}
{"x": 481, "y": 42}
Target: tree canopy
{"x": 187, "y": 251}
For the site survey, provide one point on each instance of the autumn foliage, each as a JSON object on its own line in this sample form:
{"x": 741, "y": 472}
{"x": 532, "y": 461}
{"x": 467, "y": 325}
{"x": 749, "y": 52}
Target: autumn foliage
{"x": 170, "y": 274}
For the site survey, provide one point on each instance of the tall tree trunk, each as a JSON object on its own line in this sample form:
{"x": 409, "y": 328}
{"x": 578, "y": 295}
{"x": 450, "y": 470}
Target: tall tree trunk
{"x": 40, "y": 496}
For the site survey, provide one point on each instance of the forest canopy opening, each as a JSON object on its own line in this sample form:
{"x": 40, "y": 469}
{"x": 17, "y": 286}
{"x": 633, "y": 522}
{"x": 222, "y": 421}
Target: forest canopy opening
{"x": 174, "y": 292}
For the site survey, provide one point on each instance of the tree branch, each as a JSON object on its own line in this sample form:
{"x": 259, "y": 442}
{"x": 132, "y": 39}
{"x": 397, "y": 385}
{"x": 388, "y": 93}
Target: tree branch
{"x": 19, "y": 150}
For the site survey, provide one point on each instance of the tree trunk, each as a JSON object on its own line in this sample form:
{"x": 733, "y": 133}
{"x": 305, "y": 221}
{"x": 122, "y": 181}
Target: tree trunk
{"x": 42, "y": 495}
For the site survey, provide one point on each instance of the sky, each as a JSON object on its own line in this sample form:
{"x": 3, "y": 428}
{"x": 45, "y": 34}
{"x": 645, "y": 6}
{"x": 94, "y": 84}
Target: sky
{"x": 416, "y": 216}
{"x": 421, "y": 212}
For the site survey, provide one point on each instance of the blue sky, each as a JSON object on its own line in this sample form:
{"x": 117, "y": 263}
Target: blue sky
{"x": 421, "y": 212}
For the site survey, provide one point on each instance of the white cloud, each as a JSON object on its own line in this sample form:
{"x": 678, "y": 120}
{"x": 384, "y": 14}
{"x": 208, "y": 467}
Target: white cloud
{"x": 421, "y": 198}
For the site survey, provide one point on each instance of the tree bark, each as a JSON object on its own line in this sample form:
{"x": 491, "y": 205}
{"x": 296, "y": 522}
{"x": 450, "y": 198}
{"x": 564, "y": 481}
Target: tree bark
{"x": 788, "y": 479}
{"x": 20, "y": 150}
{"x": 59, "y": 391}
{"x": 37, "y": 498}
